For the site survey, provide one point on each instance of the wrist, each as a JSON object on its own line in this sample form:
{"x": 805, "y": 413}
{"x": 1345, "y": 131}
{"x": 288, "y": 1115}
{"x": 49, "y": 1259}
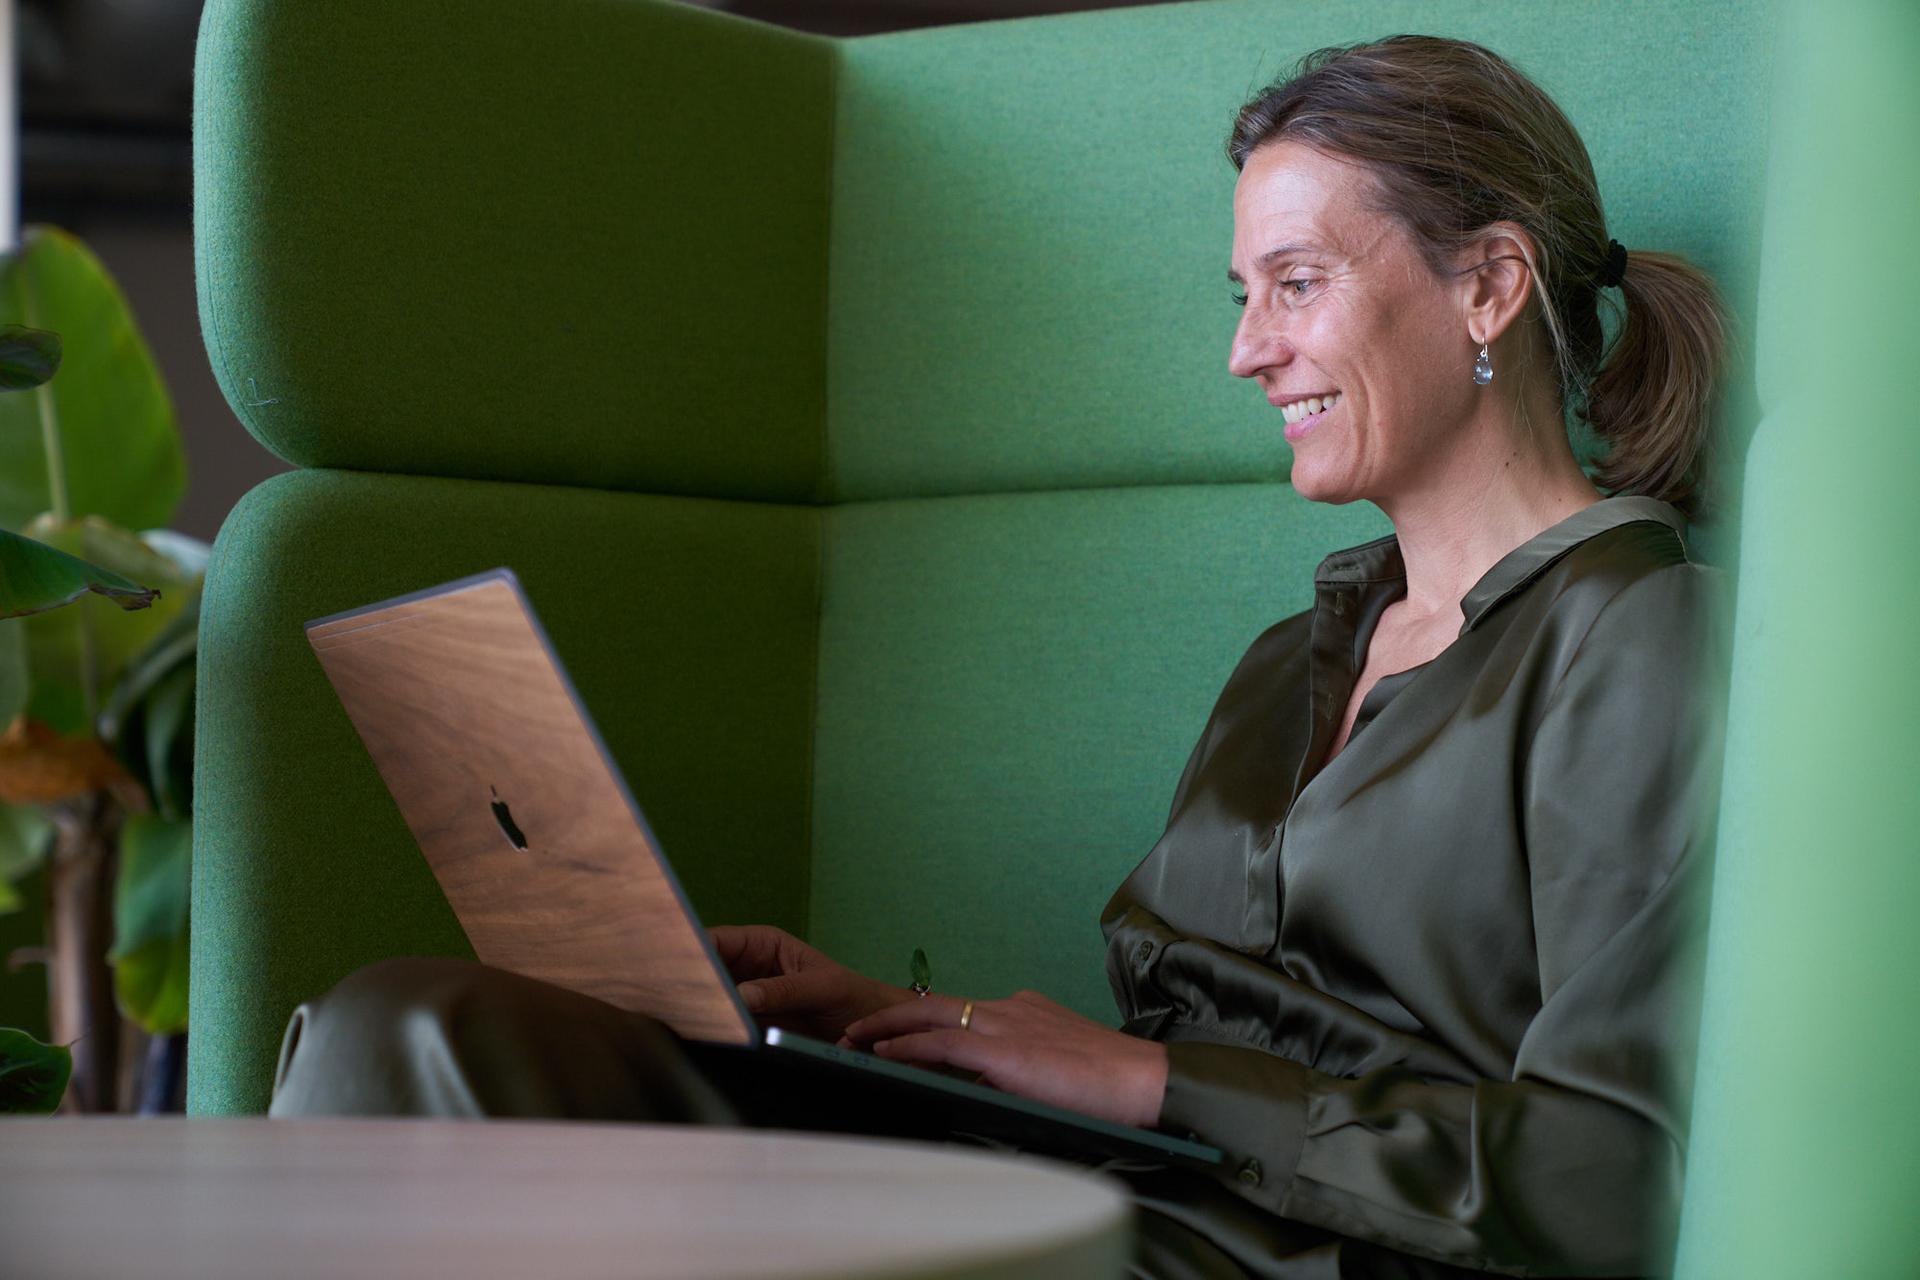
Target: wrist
{"x": 1151, "y": 1090}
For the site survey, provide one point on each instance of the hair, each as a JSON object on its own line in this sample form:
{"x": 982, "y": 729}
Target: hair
{"x": 1457, "y": 138}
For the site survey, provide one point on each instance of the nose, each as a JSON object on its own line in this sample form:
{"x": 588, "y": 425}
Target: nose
{"x": 1255, "y": 347}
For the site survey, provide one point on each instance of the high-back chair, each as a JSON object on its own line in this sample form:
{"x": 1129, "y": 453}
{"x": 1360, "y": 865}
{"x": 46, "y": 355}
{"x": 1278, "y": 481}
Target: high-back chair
{"x": 855, "y": 413}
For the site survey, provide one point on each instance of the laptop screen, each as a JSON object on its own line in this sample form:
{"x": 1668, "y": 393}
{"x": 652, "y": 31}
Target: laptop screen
{"x": 522, "y": 814}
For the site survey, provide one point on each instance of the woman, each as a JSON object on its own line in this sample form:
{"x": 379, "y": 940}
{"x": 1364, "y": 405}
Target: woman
{"x": 1426, "y": 976}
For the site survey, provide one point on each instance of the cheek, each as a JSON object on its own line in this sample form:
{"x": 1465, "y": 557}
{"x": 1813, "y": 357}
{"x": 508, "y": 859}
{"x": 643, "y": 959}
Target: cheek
{"x": 1363, "y": 348}
{"x": 1337, "y": 334}
{"x": 1410, "y": 352}
{"x": 1363, "y": 324}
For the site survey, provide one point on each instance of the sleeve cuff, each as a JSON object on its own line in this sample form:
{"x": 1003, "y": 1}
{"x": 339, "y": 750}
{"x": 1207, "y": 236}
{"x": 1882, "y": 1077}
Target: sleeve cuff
{"x": 1249, "y": 1103}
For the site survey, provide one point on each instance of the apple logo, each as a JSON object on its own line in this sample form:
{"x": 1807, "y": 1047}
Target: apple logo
{"x": 503, "y": 816}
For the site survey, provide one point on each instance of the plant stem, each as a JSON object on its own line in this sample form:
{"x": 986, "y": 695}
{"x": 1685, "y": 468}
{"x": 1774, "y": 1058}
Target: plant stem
{"x": 51, "y": 445}
{"x": 79, "y": 930}
{"x": 43, "y": 402}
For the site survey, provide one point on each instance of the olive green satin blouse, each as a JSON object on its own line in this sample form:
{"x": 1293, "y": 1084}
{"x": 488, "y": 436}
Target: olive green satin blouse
{"x": 1441, "y": 994}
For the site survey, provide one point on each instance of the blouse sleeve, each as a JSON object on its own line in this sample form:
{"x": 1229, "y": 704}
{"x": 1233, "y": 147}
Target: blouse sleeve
{"x": 1573, "y": 1166}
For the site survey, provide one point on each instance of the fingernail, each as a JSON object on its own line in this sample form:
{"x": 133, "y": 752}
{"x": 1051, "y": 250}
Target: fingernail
{"x": 753, "y": 996}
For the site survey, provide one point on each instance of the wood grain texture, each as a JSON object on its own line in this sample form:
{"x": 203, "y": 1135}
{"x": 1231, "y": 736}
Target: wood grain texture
{"x": 457, "y": 702}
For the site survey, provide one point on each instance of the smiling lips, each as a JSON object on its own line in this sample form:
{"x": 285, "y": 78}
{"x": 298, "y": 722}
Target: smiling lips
{"x": 1304, "y": 415}
{"x": 1307, "y": 406}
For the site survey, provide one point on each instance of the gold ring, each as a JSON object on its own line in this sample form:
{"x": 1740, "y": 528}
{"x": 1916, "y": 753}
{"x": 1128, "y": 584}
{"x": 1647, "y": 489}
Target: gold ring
{"x": 966, "y": 1016}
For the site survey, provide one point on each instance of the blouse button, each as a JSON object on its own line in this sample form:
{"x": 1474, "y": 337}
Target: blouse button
{"x": 1250, "y": 1173}
{"x": 1145, "y": 949}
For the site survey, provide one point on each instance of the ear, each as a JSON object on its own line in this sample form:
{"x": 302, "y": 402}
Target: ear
{"x": 1496, "y": 280}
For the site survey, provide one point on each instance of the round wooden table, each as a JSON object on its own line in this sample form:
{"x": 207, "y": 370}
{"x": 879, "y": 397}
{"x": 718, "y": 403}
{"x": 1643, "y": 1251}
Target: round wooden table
{"x": 118, "y": 1196}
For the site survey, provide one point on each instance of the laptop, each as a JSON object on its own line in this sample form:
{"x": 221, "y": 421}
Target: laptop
{"x": 554, "y": 872}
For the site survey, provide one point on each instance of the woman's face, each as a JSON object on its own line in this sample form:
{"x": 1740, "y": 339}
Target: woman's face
{"x": 1339, "y": 304}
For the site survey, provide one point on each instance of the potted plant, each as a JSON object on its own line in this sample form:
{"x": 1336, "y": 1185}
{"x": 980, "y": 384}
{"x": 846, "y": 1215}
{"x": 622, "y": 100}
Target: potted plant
{"x": 98, "y": 627}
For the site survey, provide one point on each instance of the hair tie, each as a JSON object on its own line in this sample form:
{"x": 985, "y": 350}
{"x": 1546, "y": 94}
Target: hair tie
{"x": 1614, "y": 270}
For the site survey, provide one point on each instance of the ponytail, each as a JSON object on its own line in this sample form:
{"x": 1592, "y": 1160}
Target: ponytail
{"x": 1651, "y": 400}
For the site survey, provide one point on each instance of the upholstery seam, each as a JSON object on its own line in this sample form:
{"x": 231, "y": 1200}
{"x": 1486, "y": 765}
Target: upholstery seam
{"x": 823, "y": 485}
{"x": 821, "y": 488}
{"x": 813, "y": 717}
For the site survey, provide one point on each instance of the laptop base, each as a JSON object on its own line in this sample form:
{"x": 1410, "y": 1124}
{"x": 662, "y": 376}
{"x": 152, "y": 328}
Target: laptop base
{"x": 780, "y": 1088}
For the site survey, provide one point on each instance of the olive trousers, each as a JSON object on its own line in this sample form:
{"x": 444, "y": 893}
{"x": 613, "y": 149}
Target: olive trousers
{"x": 422, "y": 1036}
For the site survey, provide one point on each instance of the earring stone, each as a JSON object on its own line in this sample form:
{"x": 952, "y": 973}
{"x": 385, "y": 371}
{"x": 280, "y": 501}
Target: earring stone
{"x": 1483, "y": 367}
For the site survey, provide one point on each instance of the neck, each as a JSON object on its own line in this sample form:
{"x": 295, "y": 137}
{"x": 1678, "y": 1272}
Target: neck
{"x": 1481, "y": 501}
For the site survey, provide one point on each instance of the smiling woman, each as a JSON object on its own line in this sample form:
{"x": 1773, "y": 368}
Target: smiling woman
{"x": 1419, "y": 944}
{"x": 1405, "y": 202}
{"x": 1435, "y": 991}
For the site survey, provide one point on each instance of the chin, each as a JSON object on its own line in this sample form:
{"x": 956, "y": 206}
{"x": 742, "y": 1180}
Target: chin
{"x": 1315, "y": 488}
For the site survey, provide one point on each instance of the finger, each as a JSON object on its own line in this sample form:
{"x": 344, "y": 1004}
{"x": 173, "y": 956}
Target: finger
{"x": 952, "y": 1048}
{"x": 792, "y": 992}
{"x": 729, "y": 941}
{"x": 927, "y": 1013}
{"x": 747, "y": 949}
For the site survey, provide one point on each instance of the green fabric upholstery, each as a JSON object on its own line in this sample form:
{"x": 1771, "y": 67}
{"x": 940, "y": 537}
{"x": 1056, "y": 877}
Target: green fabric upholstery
{"x": 1032, "y": 220}
{"x": 855, "y": 413}
{"x": 1010, "y": 685}
{"x": 1805, "y": 1156}
{"x": 457, "y": 239}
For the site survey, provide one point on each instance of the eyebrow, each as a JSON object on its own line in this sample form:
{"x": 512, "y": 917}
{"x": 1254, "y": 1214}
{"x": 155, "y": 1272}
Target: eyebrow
{"x": 1271, "y": 254}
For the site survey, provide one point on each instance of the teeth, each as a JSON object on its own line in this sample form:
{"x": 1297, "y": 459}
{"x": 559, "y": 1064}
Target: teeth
{"x": 1307, "y": 408}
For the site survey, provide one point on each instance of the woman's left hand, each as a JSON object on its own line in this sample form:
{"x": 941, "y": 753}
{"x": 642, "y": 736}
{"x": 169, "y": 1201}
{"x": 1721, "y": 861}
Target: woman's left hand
{"x": 1029, "y": 1045}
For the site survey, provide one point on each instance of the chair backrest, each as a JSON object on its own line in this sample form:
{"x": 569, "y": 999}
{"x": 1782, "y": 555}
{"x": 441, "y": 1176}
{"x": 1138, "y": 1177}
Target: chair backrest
{"x": 1057, "y": 521}
{"x": 855, "y": 413}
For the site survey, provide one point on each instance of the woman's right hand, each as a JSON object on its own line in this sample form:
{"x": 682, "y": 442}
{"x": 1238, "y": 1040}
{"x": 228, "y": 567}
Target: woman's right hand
{"x": 786, "y": 983}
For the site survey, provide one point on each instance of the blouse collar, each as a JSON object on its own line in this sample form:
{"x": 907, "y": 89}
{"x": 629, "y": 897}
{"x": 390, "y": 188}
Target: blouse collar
{"x": 1379, "y": 560}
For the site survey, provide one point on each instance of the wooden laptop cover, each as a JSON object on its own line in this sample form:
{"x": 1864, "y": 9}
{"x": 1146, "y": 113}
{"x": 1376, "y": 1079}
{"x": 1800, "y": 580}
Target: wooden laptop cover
{"x": 461, "y": 705}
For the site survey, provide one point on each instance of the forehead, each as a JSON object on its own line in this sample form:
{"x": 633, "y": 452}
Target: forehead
{"x": 1291, "y": 194}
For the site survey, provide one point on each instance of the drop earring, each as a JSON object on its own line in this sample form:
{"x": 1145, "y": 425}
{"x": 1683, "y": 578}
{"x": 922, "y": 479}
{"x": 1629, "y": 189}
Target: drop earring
{"x": 1483, "y": 367}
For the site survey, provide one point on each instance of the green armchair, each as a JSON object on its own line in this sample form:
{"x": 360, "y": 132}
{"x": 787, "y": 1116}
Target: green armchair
{"x": 854, "y": 412}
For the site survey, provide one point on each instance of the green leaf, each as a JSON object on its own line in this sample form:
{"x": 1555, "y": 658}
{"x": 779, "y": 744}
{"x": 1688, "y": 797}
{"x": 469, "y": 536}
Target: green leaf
{"x": 149, "y": 718}
{"x": 91, "y": 640}
{"x": 25, "y": 836}
{"x": 33, "y": 1076}
{"x": 35, "y": 578}
{"x": 150, "y": 904}
{"x": 150, "y": 985}
{"x": 188, "y": 553}
{"x": 150, "y": 898}
{"x": 177, "y": 643}
{"x": 169, "y": 715}
{"x": 28, "y": 357}
{"x": 119, "y": 443}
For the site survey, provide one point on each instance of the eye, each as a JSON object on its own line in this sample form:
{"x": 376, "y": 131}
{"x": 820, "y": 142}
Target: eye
{"x": 1300, "y": 286}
